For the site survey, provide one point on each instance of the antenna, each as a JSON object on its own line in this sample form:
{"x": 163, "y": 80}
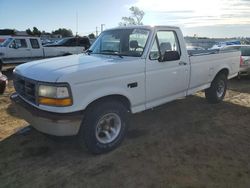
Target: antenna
{"x": 76, "y": 23}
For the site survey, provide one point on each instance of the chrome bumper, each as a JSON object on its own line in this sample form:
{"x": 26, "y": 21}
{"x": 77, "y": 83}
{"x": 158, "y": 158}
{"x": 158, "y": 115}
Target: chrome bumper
{"x": 58, "y": 124}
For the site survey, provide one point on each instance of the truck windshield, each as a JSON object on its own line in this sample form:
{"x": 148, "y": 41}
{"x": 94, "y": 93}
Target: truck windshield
{"x": 6, "y": 42}
{"x": 122, "y": 42}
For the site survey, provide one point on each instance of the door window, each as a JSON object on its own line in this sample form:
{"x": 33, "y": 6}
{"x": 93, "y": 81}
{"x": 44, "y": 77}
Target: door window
{"x": 18, "y": 43}
{"x": 34, "y": 43}
{"x": 165, "y": 41}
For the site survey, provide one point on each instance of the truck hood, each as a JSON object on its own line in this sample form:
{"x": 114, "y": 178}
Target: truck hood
{"x": 51, "y": 70}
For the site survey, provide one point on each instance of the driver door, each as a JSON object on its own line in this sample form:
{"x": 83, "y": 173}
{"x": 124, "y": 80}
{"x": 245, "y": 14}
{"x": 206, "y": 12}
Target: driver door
{"x": 166, "y": 80}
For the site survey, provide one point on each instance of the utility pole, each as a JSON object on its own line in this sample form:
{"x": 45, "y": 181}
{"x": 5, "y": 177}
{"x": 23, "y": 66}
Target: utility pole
{"x": 102, "y": 26}
{"x": 96, "y": 31}
{"x": 76, "y": 23}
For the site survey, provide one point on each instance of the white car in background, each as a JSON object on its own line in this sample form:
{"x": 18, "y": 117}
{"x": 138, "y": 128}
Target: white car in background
{"x": 195, "y": 48}
{"x": 244, "y": 59}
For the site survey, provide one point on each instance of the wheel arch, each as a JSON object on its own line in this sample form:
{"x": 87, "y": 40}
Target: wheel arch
{"x": 115, "y": 97}
{"x": 223, "y": 71}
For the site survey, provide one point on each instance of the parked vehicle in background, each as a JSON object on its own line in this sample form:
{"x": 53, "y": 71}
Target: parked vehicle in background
{"x": 126, "y": 70}
{"x": 91, "y": 41}
{"x": 71, "y": 42}
{"x": 3, "y": 38}
{"x": 48, "y": 41}
{"x": 220, "y": 45}
{"x": 18, "y": 49}
{"x": 244, "y": 59}
{"x": 196, "y": 50}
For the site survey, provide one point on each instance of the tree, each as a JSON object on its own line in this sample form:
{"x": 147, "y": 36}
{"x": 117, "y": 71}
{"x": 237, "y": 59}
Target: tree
{"x": 91, "y": 36}
{"x": 135, "y": 18}
{"x": 29, "y": 32}
{"x": 7, "y": 32}
{"x": 34, "y": 32}
{"x": 64, "y": 32}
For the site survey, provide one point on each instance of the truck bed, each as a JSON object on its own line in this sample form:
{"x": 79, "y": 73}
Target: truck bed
{"x": 205, "y": 66}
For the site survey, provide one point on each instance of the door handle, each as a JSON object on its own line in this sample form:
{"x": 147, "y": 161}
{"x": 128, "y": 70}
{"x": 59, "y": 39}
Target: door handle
{"x": 182, "y": 63}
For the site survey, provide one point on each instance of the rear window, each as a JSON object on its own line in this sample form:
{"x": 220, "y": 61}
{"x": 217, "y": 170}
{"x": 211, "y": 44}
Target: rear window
{"x": 34, "y": 43}
{"x": 245, "y": 51}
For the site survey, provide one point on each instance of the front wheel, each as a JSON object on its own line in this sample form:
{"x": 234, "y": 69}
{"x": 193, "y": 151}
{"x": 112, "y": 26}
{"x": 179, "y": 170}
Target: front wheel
{"x": 104, "y": 126}
{"x": 217, "y": 90}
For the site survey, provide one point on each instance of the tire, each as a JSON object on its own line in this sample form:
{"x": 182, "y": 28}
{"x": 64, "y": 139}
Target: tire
{"x": 104, "y": 126}
{"x": 217, "y": 90}
{"x": 238, "y": 76}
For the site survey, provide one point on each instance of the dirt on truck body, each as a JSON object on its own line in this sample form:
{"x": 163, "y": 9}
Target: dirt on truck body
{"x": 186, "y": 143}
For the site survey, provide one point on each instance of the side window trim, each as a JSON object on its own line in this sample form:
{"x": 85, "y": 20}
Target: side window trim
{"x": 158, "y": 43}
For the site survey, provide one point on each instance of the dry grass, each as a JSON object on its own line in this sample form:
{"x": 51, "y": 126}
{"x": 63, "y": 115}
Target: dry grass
{"x": 186, "y": 143}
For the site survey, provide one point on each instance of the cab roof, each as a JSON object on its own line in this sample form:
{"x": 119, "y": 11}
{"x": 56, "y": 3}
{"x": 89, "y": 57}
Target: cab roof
{"x": 144, "y": 27}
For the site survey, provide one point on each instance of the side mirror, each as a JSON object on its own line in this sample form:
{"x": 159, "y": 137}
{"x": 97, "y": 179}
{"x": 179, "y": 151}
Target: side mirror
{"x": 170, "y": 56}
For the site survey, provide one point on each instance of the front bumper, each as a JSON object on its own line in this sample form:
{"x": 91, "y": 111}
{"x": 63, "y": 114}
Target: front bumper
{"x": 58, "y": 124}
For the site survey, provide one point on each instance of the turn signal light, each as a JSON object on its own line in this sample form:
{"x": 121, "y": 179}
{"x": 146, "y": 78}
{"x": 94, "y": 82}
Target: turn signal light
{"x": 55, "y": 102}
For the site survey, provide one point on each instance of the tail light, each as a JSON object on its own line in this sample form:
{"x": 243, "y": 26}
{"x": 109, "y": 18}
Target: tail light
{"x": 241, "y": 60}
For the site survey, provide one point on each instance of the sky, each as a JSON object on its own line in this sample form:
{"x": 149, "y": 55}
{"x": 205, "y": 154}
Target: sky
{"x": 203, "y": 18}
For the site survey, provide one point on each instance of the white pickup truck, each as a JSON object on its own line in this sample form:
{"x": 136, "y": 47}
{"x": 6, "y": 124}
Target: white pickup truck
{"x": 21, "y": 49}
{"x": 126, "y": 70}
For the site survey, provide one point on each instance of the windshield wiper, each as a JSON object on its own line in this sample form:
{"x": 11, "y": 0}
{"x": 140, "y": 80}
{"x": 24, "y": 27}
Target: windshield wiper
{"x": 111, "y": 52}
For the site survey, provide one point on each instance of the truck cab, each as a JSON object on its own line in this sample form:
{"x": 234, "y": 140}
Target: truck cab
{"x": 18, "y": 49}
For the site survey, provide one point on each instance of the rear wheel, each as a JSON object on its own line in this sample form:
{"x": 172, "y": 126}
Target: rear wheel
{"x": 104, "y": 126}
{"x": 217, "y": 90}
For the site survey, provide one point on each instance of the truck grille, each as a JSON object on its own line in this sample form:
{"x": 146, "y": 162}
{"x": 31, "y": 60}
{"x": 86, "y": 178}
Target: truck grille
{"x": 25, "y": 88}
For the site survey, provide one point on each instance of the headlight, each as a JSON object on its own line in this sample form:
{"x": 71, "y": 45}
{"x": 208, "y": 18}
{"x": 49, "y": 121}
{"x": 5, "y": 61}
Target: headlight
{"x": 54, "y": 95}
